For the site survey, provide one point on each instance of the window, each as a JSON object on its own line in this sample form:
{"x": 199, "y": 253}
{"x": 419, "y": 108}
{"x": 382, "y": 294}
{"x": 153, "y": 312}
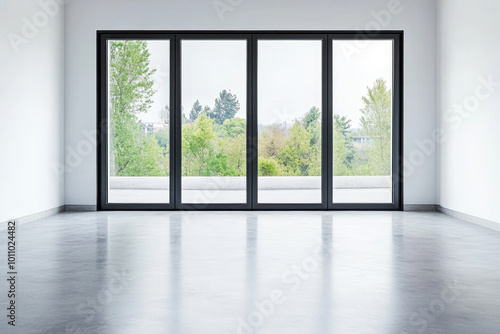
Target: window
{"x": 289, "y": 110}
{"x": 362, "y": 121}
{"x": 249, "y": 120}
{"x": 214, "y": 125}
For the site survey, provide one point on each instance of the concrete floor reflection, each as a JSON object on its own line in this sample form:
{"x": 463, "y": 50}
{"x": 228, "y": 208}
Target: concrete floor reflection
{"x": 257, "y": 272}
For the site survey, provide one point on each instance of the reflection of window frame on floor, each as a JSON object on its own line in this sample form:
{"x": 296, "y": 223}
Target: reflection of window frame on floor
{"x": 252, "y": 38}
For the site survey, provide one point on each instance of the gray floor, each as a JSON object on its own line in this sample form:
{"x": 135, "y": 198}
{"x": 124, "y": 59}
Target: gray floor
{"x": 257, "y": 272}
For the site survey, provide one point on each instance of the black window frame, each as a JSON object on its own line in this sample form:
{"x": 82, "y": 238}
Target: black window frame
{"x": 252, "y": 38}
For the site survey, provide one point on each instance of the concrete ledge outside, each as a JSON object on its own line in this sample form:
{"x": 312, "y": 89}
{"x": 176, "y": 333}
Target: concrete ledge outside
{"x": 239, "y": 182}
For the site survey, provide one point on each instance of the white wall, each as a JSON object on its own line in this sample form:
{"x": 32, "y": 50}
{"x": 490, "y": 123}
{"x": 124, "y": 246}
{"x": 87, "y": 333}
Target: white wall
{"x": 83, "y": 18}
{"x": 31, "y": 110}
{"x": 469, "y": 48}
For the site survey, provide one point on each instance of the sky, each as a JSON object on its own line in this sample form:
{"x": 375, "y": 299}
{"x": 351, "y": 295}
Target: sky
{"x": 289, "y": 75}
{"x": 354, "y": 72}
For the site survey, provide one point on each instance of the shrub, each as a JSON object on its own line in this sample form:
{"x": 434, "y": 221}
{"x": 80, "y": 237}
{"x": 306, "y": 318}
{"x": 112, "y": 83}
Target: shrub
{"x": 268, "y": 167}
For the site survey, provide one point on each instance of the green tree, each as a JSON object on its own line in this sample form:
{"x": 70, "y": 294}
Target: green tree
{"x": 311, "y": 117}
{"x": 197, "y": 145}
{"x": 149, "y": 160}
{"x": 343, "y": 124}
{"x": 376, "y": 123}
{"x": 339, "y": 153}
{"x": 162, "y": 138}
{"x": 195, "y": 111}
{"x": 131, "y": 91}
{"x": 272, "y": 139}
{"x": 312, "y": 123}
{"x": 294, "y": 156}
{"x": 268, "y": 167}
{"x": 234, "y": 127}
{"x": 226, "y": 106}
{"x": 235, "y": 150}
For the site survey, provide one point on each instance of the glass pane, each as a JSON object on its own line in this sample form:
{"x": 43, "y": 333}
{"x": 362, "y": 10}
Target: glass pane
{"x": 138, "y": 79}
{"x": 289, "y": 121}
{"x": 362, "y": 108}
{"x": 214, "y": 122}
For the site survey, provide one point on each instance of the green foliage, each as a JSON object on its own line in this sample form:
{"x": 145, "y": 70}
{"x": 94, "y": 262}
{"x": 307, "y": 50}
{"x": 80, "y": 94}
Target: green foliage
{"x": 271, "y": 139}
{"x": 235, "y": 149}
{"x": 131, "y": 86}
{"x": 162, "y": 137}
{"x": 312, "y": 123}
{"x": 376, "y": 123}
{"x": 131, "y": 91}
{"x": 214, "y": 142}
{"x": 147, "y": 161}
{"x": 195, "y": 111}
{"x": 268, "y": 167}
{"x": 226, "y": 107}
{"x": 339, "y": 153}
{"x": 234, "y": 127}
{"x": 343, "y": 124}
{"x": 197, "y": 141}
{"x": 311, "y": 117}
{"x": 295, "y": 156}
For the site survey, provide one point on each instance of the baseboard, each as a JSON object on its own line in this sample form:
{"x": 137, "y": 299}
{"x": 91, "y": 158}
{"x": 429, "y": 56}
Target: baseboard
{"x": 471, "y": 219}
{"x": 420, "y": 207}
{"x": 80, "y": 208}
{"x": 34, "y": 216}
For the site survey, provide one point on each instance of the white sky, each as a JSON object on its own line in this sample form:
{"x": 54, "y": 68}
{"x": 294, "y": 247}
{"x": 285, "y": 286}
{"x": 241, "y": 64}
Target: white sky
{"x": 354, "y": 72}
{"x": 160, "y": 60}
{"x": 208, "y": 67}
{"x": 289, "y": 75}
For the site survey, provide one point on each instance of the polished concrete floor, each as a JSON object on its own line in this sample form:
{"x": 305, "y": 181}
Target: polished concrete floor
{"x": 255, "y": 272}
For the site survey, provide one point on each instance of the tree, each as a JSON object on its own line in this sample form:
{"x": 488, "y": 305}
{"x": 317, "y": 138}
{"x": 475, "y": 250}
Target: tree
{"x": 376, "y": 122}
{"x": 197, "y": 144}
{"x": 162, "y": 137}
{"x": 268, "y": 167}
{"x": 271, "y": 139}
{"x": 339, "y": 153}
{"x": 311, "y": 117}
{"x": 295, "y": 153}
{"x": 312, "y": 123}
{"x": 343, "y": 125}
{"x": 164, "y": 115}
{"x": 147, "y": 161}
{"x": 195, "y": 111}
{"x": 131, "y": 90}
{"x": 226, "y": 106}
{"x": 234, "y": 127}
{"x": 206, "y": 110}
{"x": 131, "y": 85}
{"x": 235, "y": 150}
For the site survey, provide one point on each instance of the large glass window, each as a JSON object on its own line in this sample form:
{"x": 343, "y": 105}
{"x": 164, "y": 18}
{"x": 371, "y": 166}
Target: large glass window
{"x": 139, "y": 127}
{"x": 250, "y": 120}
{"x": 214, "y": 126}
{"x": 362, "y": 121}
{"x": 289, "y": 121}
